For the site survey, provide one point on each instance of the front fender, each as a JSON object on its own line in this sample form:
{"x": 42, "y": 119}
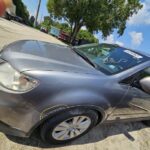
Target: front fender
{"x": 80, "y": 97}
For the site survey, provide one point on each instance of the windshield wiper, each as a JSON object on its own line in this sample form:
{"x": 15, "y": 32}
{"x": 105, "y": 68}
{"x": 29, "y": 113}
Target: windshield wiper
{"x": 84, "y": 57}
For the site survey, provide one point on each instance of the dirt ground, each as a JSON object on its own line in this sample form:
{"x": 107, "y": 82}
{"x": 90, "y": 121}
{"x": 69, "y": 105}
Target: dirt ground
{"x": 127, "y": 136}
{"x": 13, "y": 31}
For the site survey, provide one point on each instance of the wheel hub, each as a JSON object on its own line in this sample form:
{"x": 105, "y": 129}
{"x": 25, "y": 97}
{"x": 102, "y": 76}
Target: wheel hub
{"x": 71, "y": 128}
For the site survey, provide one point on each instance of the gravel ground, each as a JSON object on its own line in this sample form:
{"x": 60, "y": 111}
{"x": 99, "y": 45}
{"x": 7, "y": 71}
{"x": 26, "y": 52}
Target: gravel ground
{"x": 128, "y": 136}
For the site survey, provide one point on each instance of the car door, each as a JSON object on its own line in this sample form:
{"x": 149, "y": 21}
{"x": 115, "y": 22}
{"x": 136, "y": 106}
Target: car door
{"x": 139, "y": 99}
{"x": 136, "y": 102}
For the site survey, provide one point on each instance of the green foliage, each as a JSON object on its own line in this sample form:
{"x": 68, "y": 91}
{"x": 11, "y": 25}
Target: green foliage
{"x": 47, "y": 22}
{"x": 62, "y": 26}
{"x": 21, "y": 10}
{"x": 84, "y": 34}
{"x": 96, "y": 15}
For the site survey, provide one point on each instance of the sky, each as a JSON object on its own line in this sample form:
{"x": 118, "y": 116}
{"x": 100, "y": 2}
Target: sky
{"x": 32, "y": 7}
{"x": 137, "y": 32}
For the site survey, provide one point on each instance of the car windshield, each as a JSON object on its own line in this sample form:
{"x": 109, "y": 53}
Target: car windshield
{"x": 111, "y": 59}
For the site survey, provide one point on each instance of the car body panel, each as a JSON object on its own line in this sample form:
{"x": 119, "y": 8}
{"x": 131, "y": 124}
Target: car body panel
{"x": 72, "y": 88}
{"x": 68, "y": 81}
{"x": 36, "y": 55}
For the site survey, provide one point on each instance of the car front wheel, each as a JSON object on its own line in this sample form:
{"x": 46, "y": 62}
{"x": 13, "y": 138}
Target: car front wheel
{"x": 68, "y": 126}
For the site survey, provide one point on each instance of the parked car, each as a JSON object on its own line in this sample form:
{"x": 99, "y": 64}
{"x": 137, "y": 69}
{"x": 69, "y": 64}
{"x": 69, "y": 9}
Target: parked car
{"x": 44, "y": 29}
{"x": 19, "y": 19}
{"x": 10, "y": 12}
{"x": 63, "y": 36}
{"x": 9, "y": 17}
{"x": 66, "y": 91}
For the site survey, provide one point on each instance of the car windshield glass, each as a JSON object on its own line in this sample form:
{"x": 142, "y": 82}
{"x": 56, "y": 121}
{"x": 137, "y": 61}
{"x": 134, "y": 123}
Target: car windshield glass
{"x": 111, "y": 59}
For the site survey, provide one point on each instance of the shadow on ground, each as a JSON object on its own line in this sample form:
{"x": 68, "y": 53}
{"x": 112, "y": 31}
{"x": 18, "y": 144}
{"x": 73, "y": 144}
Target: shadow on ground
{"x": 99, "y": 133}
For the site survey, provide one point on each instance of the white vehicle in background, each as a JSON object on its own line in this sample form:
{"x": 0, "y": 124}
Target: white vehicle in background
{"x": 10, "y": 13}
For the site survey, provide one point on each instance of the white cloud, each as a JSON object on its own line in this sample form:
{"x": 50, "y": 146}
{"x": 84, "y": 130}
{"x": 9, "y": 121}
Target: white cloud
{"x": 143, "y": 15}
{"x": 111, "y": 40}
{"x": 137, "y": 38}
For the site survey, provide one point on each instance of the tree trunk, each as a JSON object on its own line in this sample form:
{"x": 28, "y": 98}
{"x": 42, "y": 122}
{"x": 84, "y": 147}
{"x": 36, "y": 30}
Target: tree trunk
{"x": 75, "y": 31}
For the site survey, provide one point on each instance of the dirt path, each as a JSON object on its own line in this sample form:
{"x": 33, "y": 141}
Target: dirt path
{"x": 131, "y": 136}
{"x": 13, "y": 31}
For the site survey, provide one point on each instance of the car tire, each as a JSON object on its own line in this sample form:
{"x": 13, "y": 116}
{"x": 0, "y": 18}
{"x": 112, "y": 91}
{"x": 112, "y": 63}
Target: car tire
{"x": 49, "y": 130}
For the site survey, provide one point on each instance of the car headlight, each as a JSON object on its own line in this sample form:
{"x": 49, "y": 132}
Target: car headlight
{"x": 13, "y": 80}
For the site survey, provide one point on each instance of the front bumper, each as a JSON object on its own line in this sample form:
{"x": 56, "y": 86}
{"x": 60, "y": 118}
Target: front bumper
{"x": 11, "y": 131}
{"x": 18, "y": 115}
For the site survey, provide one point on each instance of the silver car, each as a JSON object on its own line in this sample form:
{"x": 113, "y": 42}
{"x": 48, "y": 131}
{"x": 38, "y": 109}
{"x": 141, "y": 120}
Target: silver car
{"x": 66, "y": 91}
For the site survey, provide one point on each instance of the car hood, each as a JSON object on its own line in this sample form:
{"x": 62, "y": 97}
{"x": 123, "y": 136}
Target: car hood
{"x": 37, "y": 55}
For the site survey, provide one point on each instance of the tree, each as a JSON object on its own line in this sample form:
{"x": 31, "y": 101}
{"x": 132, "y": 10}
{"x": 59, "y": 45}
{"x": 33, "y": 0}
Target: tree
{"x": 84, "y": 34}
{"x": 62, "y": 26}
{"x": 47, "y": 22}
{"x": 96, "y": 15}
{"x": 21, "y": 10}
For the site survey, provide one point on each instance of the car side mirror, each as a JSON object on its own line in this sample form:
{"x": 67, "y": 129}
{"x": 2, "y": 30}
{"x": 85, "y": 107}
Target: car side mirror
{"x": 145, "y": 84}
